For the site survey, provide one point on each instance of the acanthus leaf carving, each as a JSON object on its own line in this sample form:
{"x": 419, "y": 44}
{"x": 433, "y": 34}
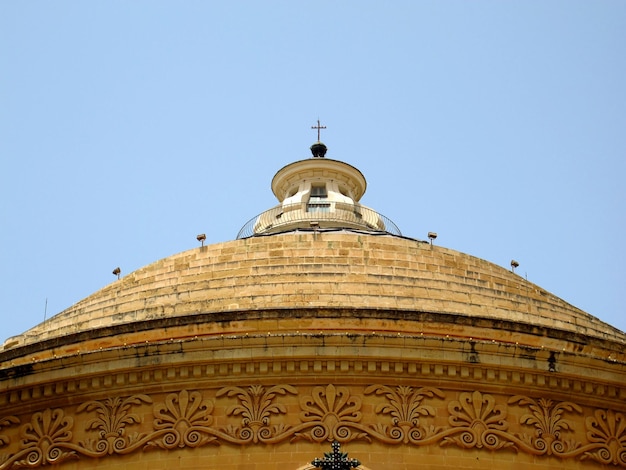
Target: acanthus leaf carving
{"x": 6, "y": 422}
{"x": 407, "y": 415}
{"x": 113, "y": 416}
{"x": 405, "y": 406}
{"x": 256, "y": 405}
{"x": 547, "y": 418}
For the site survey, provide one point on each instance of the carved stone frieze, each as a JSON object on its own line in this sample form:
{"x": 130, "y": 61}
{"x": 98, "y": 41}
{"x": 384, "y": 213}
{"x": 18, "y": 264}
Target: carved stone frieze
{"x": 405, "y": 405}
{"x": 112, "y": 418}
{"x": 333, "y": 414}
{"x": 183, "y": 420}
{"x": 256, "y": 404}
{"x": 45, "y": 439}
{"x": 606, "y": 432}
{"x": 476, "y": 420}
{"x": 547, "y": 420}
{"x": 397, "y": 415}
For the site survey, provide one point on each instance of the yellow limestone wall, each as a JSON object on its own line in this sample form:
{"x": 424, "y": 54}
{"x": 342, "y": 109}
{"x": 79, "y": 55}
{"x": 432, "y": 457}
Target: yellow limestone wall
{"x": 258, "y": 353}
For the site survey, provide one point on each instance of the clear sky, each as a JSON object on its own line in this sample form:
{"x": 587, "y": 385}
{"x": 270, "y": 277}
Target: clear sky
{"x": 129, "y": 127}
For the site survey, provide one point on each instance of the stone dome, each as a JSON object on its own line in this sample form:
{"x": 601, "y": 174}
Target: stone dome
{"x": 435, "y": 289}
{"x": 262, "y": 351}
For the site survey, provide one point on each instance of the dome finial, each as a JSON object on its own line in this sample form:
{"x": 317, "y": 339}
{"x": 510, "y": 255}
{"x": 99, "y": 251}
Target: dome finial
{"x": 318, "y": 148}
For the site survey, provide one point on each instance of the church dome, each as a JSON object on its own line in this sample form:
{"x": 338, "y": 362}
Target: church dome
{"x": 437, "y": 289}
{"x": 267, "y": 349}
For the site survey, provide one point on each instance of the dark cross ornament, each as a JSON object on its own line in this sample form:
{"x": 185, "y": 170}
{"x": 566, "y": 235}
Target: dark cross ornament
{"x": 335, "y": 460}
{"x": 318, "y": 127}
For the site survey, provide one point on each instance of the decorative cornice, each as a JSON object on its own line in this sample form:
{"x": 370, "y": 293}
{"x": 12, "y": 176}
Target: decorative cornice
{"x": 428, "y": 319}
{"x": 318, "y": 168}
{"x": 194, "y": 363}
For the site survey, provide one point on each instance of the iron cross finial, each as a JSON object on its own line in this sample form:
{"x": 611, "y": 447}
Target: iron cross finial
{"x": 318, "y": 127}
{"x": 336, "y": 460}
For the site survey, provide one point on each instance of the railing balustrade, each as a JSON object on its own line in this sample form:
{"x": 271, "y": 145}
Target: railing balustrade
{"x": 330, "y": 214}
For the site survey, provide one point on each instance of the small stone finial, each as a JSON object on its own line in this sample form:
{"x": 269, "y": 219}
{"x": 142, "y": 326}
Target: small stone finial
{"x": 318, "y": 150}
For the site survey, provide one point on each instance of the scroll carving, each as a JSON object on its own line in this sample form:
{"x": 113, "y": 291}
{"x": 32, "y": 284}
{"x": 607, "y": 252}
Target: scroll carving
{"x": 256, "y": 405}
{"x": 405, "y": 405}
{"x": 479, "y": 421}
{"x": 547, "y": 417}
{"x": 183, "y": 420}
{"x": 113, "y": 417}
{"x": 333, "y": 414}
{"x": 606, "y": 430}
{"x": 260, "y": 414}
{"x": 46, "y": 439}
{"x": 5, "y": 422}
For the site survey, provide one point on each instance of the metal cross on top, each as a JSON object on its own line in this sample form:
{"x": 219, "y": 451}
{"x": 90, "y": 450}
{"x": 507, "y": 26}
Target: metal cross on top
{"x": 336, "y": 460}
{"x": 318, "y": 127}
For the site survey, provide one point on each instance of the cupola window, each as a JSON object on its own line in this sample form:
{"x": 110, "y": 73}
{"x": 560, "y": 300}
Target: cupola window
{"x": 318, "y": 200}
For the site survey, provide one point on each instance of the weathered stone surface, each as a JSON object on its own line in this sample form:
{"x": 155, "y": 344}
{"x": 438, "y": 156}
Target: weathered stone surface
{"x": 258, "y": 353}
{"x": 302, "y": 270}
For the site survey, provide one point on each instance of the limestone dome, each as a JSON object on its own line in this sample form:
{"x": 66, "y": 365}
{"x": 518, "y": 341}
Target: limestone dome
{"x": 263, "y": 351}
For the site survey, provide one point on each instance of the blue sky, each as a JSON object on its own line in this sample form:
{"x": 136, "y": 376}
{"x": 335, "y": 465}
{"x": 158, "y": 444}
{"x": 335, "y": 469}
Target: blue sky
{"x": 128, "y": 127}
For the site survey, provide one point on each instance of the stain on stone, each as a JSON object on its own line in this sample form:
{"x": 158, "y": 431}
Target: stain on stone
{"x": 552, "y": 362}
{"x": 528, "y": 353}
{"x": 472, "y": 357}
{"x": 16, "y": 372}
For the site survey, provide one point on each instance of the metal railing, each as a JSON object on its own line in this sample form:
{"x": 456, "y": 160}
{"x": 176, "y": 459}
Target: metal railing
{"x": 330, "y": 214}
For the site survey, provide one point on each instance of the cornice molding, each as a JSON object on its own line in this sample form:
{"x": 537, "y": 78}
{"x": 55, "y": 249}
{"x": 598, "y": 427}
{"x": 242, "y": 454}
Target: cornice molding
{"x": 304, "y": 358}
{"x": 426, "y": 323}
